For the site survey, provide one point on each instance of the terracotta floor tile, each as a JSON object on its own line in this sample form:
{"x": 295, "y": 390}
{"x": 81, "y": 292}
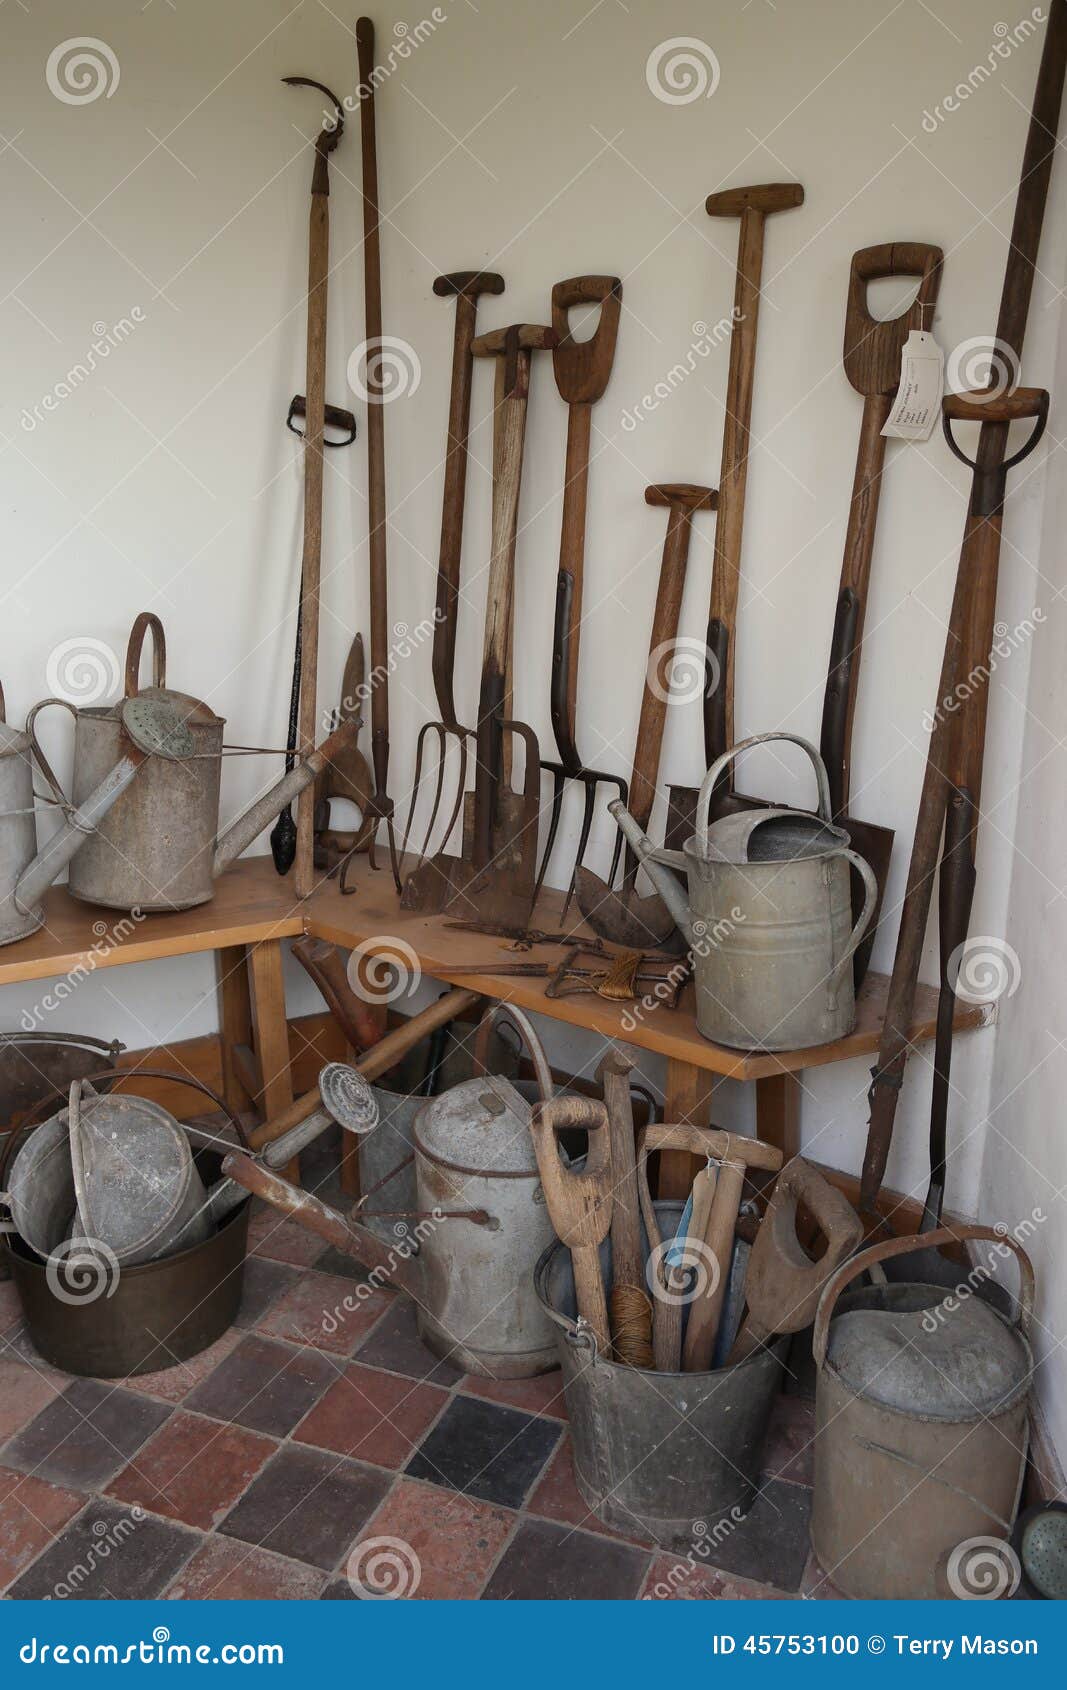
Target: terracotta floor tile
{"x": 544, "y": 1561}
{"x": 557, "y": 1497}
{"x": 225, "y": 1570}
{"x": 10, "y": 1305}
{"x": 86, "y": 1435}
{"x": 543, "y": 1395}
{"x": 283, "y": 1241}
{"x": 193, "y": 1470}
{"x": 674, "y": 1579}
{"x": 395, "y": 1344}
{"x": 265, "y": 1386}
{"x": 23, "y": 1393}
{"x": 485, "y": 1450}
{"x": 790, "y": 1449}
{"x": 109, "y": 1553}
{"x": 325, "y": 1312}
{"x": 15, "y": 1345}
{"x": 31, "y": 1513}
{"x": 308, "y": 1504}
{"x": 442, "y": 1543}
{"x": 173, "y": 1384}
{"x": 264, "y": 1282}
{"x": 372, "y": 1416}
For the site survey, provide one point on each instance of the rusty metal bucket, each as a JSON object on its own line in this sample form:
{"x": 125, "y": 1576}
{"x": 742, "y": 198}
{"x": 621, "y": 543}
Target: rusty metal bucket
{"x": 922, "y": 1406}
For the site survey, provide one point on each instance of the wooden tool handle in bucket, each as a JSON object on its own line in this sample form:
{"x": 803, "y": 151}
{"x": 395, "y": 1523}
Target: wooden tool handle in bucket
{"x": 579, "y": 1201}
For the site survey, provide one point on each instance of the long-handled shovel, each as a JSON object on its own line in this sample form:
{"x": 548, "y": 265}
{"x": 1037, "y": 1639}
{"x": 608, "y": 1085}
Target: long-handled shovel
{"x": 629, "y": 1304}
{"x": 380, "y": 805}
{"x": 305, "y": 663}
{"x": 494, "y": 878}
{"x": 582, "y": 369}
{"x": 970, "y": 624}
{"x": 622, "y": 916}
{"x": 753, "y": 206}
{"x": 466, "y": 286}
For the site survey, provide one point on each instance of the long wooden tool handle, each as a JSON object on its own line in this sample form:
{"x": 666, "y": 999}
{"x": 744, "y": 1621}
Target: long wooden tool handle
{"x": 570, "y": 582}
{"x": 842, "y": 681}
{"x": 631, "y": 1306}
{"x": 357, "y": 1019}
{"x": 705, "y": 1311}
{"x": 589, "y": 1292}
{"x": 376, "y": 505}
{"x": 663, "y": 637}
{"x": 311, "y": 565}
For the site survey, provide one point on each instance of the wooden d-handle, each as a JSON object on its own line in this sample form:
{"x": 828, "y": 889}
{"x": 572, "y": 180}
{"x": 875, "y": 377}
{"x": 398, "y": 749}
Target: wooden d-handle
{"x": 145, "y": 621}
{"x": 990, "y": 406}
{"x": 873, "y": 346}
{"x": 579, "y": 1203}
{"x": 765, "y": 198}
{"x": 582, "y": 368}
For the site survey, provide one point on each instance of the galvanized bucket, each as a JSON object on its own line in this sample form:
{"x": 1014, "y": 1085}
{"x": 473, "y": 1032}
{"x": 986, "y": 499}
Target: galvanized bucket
{"x": 770, "y": 918}
{"x": 672, "y": 1456}
{"x": 922, "y": 1406}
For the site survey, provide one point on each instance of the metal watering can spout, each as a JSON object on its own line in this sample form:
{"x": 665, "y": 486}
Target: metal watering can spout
{"x": 150, "y": 728}
{"x": 658, "y": 864}
{"x": 240, "y": 834}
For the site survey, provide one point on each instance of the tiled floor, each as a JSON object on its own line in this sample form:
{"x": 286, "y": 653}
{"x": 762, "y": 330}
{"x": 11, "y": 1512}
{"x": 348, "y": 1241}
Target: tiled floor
{"x": 303, "y": 1453}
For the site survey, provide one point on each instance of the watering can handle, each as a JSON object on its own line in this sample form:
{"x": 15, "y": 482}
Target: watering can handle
{"x": 498, "y": 1012}
{"x": 707, "y": 785}
{"x": 39, "y": 757}
{"x": 147, "y": 619}
{"x": 903, "y": 1247}
{"x": 866, "y": 915}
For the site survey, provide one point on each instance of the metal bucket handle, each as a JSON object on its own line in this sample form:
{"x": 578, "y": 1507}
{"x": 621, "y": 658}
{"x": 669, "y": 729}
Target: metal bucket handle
{"x": 39, "y": 757}
{"x": 525, "y": 1027}
{"x": 903, "y": 1247}
{"x": 866, "y": 915}
{"x": 708, "y": 784}
{"x": 145, "y": 621}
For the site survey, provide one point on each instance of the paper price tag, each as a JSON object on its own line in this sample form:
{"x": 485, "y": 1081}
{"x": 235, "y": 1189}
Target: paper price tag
{"x": 917, "y": 405}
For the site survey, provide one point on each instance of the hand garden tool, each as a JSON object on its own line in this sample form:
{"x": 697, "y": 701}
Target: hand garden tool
{"x": 582, "y": 369}
{"x": 579, "y": 1203}
{"x": 376, "y": 1061}
{"x": 970, "y": 621}
{"x": 380, "y": 805}
{"x": 629, "y": 1303}
{"x": 622, "y": 916}
{"x": 753, "y": 206}
{"x": 158, "y": 847}
{"x": 784, "y": 1283}
{"x": 739, "y": 1155}
{"x": 494, "y": 879}
{"x": 677, "y": 1268}
{"x": 348, "y": 777}
{"x": 306, "y": 656}
{"x": 466, "y": 286}
{"x": 768, "y": 919}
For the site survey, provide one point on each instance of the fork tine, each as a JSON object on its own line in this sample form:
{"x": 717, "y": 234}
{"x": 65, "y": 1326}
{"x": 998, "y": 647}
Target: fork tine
{"x": 420, "y": 745}
{"x": 589, "y": 786}
{"x": 553, "y": 821}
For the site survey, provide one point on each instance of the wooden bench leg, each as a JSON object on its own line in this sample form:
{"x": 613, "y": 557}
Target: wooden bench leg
{"x": 270, "y": 1030}
{"x": 687, "y": 1100}
{"x": 778, "y": 1112}
{"x": 235, "y": 1024}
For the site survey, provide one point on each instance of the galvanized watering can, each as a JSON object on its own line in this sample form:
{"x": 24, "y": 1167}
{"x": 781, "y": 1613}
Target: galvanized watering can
{"x": 148, "y": 734}
{"x": 922, "y": 1404}
{"x": 158, "y": 849}
{"x": 768, "y": 917}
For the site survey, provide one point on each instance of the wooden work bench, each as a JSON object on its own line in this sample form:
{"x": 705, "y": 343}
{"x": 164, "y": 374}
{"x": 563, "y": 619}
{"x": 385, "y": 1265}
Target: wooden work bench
{"x": 253, "y": 911}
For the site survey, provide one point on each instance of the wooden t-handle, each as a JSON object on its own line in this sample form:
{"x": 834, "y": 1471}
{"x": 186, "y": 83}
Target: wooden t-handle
{"x": 765, "y": 198}
{"x": 470, "y": 283}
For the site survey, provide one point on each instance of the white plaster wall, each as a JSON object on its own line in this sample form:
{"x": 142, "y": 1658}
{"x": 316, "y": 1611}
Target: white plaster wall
{"x": 520, "y": 136}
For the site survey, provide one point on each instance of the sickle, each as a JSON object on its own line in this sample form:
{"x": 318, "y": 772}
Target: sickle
{"x": 331, "y": 132}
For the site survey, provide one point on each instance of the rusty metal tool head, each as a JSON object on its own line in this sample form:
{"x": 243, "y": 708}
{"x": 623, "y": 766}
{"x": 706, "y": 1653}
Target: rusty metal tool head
{"x": 466, "y": 287}
{"x": 641, "y": 923}
{"x": 582, "y": 370}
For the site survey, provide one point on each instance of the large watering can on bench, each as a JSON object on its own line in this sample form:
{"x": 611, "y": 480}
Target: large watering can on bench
{"x": 768, "y": 917}
{"x": 158, "y": 849}
{"x": 148, "y": 733}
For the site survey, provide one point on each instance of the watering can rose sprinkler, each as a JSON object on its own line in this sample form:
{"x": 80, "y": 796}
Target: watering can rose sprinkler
{"x": 149, "y": 730}
{"x": 773, "y": 889}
